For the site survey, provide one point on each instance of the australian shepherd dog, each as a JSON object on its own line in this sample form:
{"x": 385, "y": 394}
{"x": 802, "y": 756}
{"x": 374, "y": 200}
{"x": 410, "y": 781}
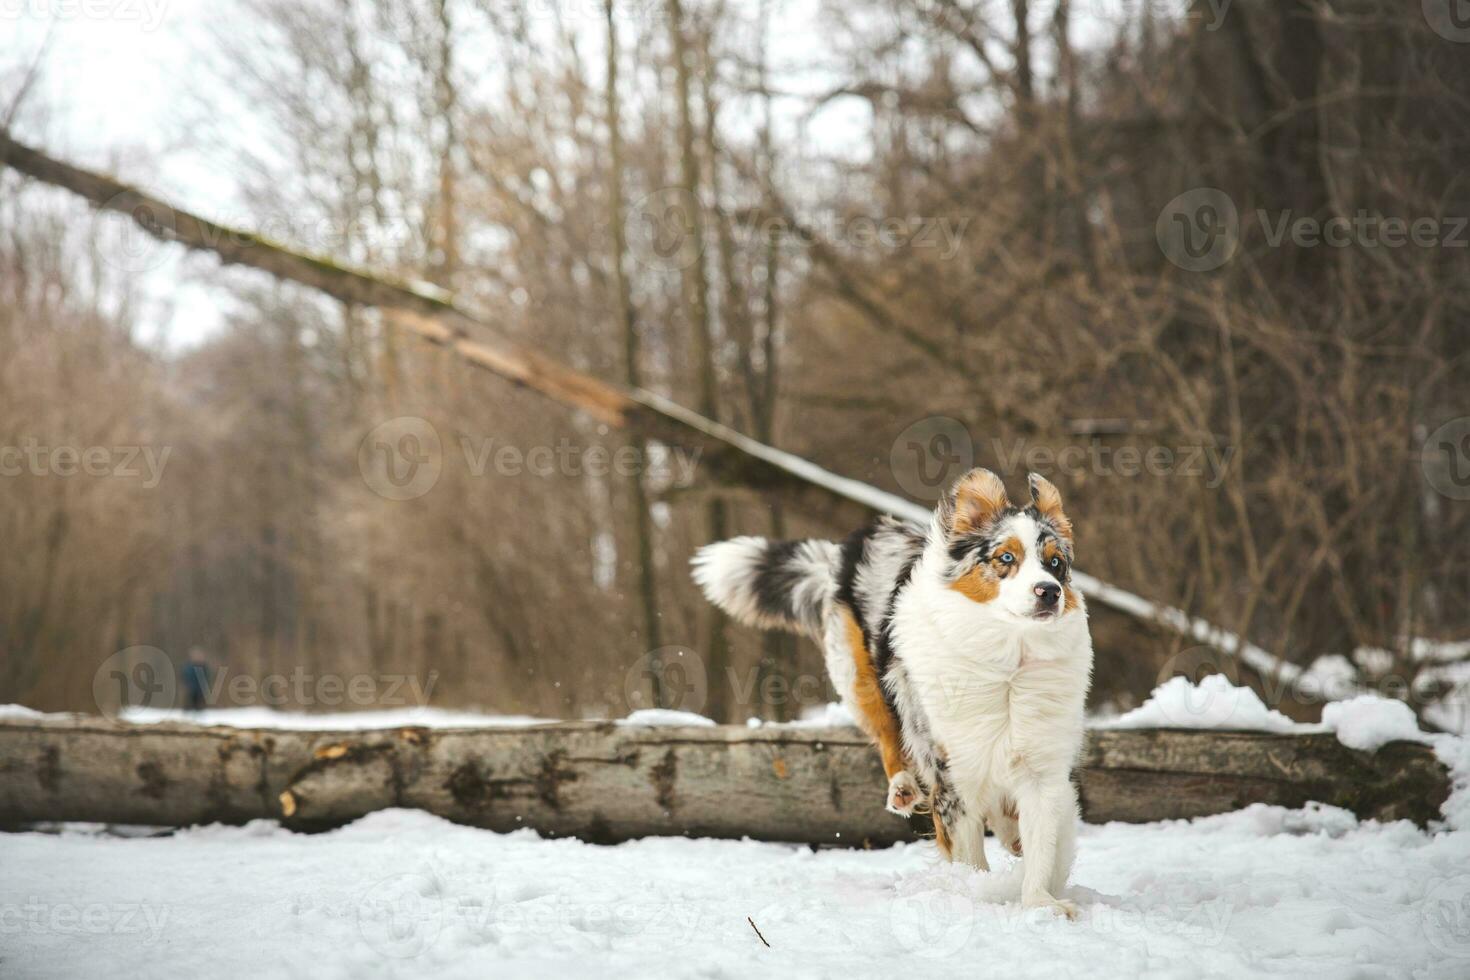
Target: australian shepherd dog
{"x": 962, "y": 649}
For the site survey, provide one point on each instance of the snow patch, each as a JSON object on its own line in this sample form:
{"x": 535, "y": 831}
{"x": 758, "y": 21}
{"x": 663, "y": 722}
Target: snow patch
{"x": 666, "y": 716}
{"x": 1213, "y": 703}
{"x": 1263, "y": 891}
{"x": 19, "y": 712}
{"x": 1368, "y": 722}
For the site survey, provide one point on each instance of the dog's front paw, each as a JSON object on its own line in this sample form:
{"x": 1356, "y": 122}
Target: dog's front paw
{"x": 903, "y": 794}
{"x": 1057, "y": 906}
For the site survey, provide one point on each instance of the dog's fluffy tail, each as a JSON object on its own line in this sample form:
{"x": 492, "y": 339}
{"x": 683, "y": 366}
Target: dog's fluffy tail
{"x": 771, "y": 584}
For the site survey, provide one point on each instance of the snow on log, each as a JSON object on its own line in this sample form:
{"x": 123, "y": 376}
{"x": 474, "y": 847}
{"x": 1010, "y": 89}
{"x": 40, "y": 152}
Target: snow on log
{"x": 607, "y": 782}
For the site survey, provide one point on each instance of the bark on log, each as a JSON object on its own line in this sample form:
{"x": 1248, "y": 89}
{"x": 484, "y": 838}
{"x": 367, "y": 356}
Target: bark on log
{"x": 605, "y": 782}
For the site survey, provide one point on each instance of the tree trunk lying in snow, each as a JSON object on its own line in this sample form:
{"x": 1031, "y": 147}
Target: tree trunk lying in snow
{"x": 606, "y": 782}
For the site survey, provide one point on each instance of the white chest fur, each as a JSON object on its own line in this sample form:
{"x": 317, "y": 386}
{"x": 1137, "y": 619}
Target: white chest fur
{"x": 1004, "y": 699}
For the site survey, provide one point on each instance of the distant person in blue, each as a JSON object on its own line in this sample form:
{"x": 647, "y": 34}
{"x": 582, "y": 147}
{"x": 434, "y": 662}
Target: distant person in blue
{"x": 196, "y": 680}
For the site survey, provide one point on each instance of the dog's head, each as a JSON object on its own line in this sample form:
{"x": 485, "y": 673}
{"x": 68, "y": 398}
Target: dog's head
{"x": 1017, "y": 560}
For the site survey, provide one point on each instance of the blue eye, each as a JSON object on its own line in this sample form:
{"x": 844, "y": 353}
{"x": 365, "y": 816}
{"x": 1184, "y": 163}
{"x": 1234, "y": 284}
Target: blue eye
{"x": 1055, "y": 562}
{"x": 1007, "y": 558}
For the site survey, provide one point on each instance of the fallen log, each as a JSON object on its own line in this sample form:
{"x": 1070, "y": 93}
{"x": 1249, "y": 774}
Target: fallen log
{"x": 606, "y": 782}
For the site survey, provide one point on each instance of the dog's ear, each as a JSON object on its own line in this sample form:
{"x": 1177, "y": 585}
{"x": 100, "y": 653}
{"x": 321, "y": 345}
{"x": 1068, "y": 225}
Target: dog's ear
{"x": 1048, "y": 501}
{"x": 974, "y": 502}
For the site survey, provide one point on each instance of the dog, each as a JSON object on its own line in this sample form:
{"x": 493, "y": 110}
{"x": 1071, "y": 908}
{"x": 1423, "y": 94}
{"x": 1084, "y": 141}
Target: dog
{"x": 962, "y": 649}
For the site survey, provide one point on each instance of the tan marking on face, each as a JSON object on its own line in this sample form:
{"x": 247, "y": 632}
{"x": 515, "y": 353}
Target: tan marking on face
{"x": 979, "y": 584}
{"x": 873, "y": 713}
{"x": 1069, "y": 595}
{"x": 1016, "y": 549}
{"x": 979, "y": 496}
{"x": 982, "y": 583}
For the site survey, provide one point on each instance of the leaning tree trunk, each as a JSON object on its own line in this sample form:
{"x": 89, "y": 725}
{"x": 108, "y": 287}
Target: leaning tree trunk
{"x": 604, "y": 781}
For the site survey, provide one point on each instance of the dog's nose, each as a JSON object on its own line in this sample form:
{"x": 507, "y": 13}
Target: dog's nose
{"x": 1047, "y": 593}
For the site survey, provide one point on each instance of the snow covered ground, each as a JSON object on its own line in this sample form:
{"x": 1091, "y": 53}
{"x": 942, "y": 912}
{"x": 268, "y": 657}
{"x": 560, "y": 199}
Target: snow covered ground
{"x": 1262, "y": 892}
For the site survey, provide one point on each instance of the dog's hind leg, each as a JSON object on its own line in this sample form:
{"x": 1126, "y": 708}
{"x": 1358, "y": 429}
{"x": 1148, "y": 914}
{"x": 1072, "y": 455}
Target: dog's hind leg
{"x": 967, "y": 836}
{"x": 876, "y": 717}
{"x": 1005, "y": 823}
{"x": 958, "y": 830}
